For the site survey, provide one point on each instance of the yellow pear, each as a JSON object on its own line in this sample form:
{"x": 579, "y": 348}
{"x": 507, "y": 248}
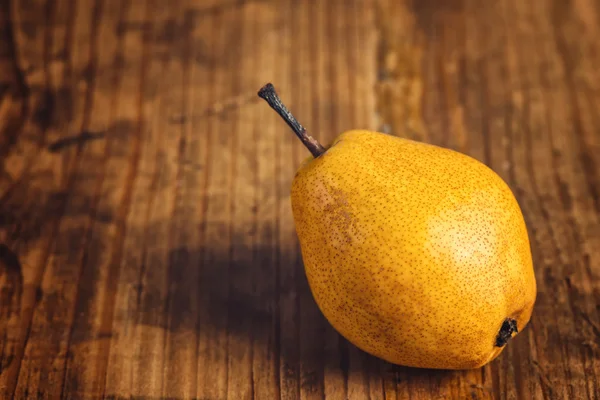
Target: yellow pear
{"x": 415, "y": 253}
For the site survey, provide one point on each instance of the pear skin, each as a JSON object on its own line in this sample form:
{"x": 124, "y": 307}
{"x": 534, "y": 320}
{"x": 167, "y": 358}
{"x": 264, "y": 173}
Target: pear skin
{"x": 416, "y": 254}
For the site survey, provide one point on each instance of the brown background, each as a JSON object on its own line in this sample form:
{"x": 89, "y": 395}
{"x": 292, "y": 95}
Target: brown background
{"x": 147, "y": 244}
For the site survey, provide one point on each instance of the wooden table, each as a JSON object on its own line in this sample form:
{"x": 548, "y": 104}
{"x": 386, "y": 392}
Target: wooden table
{"x": 147, "y": 245}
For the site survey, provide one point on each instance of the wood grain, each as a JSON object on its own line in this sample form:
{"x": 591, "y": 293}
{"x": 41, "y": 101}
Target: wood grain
{"x": 147, "y": 247}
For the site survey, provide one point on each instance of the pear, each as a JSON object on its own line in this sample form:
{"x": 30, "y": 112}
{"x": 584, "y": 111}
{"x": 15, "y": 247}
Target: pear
{"x": 416, "y": 254}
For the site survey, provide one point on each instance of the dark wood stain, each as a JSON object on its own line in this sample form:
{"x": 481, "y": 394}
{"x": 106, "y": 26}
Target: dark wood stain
{"x": 10, "y": 262}
{"x": 79, "y": 139}
{"x": 143, "y": 187}
{"x": 11, "y": 289}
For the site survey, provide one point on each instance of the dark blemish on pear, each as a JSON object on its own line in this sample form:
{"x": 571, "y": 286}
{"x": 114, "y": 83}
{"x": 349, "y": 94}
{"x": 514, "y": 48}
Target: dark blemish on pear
{"x": 509, "y": 326}
{"x": 268, "y": 93}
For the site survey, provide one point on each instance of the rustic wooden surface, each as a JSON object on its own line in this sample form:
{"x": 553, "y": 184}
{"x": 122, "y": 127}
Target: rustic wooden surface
{"x": 147, "y": 247}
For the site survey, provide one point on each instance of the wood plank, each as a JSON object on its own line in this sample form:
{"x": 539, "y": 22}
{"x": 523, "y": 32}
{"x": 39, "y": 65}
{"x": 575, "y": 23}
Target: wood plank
{"x": 91, "y": 329}
{"x": 147, "y": 245}
{"x": 43, "y": 339}
{"x": 138, "y": 321}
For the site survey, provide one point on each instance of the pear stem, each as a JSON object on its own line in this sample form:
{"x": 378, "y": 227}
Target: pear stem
{"x": 268, "y": 93}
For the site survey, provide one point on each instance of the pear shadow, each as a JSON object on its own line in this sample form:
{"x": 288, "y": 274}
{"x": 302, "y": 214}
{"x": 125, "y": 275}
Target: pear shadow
{"x": 256, "y": 300}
